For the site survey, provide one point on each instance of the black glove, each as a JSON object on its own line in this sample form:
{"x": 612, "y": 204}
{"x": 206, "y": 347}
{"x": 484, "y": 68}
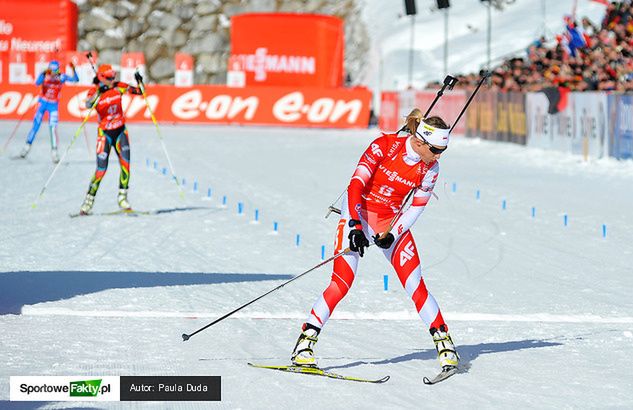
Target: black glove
{"x": 385, "y": 242}
{"x": 103, "y": 89}
{"x": 138, "y": 77}
{"x": 95, "y": 80}
{"x": 358, "y": 241}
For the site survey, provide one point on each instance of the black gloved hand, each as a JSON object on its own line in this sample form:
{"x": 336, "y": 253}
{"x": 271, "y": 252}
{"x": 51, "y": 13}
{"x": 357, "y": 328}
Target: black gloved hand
{"x": 358, "y": 241}
{"x": 385, "y": 242}
{"x": 138, "y": 77}
{"x": 95, "y": 80}
{"x": 103, "y": 89}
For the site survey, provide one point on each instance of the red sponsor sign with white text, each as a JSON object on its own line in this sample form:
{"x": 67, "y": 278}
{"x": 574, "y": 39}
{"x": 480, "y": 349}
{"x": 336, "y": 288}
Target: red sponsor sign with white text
{"x": 289, "y": 49}
{"x": 285, "y": 106}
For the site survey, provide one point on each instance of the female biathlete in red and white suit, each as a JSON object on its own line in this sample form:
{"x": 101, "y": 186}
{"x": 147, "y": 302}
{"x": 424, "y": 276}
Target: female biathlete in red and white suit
{"x": 388, "y": 170}
{"x": 110, "y": 133}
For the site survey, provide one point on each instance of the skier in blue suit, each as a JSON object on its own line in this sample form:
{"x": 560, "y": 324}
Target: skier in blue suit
{"x": 51, "y": 82}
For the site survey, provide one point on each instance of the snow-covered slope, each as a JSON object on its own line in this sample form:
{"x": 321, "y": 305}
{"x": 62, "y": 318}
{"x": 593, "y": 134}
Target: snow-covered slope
{"x": 541, "y": 313}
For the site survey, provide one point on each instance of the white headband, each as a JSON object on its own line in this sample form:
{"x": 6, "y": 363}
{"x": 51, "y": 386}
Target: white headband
{"x": 433, "y": 135}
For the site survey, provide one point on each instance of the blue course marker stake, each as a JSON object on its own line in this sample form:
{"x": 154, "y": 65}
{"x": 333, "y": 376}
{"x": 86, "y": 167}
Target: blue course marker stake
{"x": 604, "y": 230}
{"x": 240, "y": 206}
{"x": 164, "y": 171}
{"x": 257, "y": 215}
{"x": 147, "y": 162}
{"x": 155, "y": 165}
{"x": 385, "y": 280}
{"x": 322, "y": 252}
{"x": 533, "y": 212}
{"x": 478, "y": 195}
{"x": 183, "y": 182}
{"x": 503, "y": 204}
{"x": 454, "y": 186}
{"x": 275, "y": 227}
{"x": 224, "y": 200}
{"x": 195, "y": 185}
{"x": 209, "y": 193}
{"x": 565, "y": 219}
{"x": 298, "y": 241}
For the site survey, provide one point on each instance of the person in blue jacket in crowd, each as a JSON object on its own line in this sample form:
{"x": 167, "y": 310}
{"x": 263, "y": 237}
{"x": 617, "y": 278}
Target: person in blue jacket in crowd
{"x": 51, "y": 82}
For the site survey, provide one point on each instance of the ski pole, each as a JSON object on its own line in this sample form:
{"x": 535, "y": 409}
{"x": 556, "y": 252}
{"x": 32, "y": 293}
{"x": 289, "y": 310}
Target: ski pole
{"x": 89, "y": 57}
{"x": 72, "y": 141}
{"x": 449, "y": 81}
{"x": 484, "y": 76}
{"x": 186, "y": 337}
{"x": 6, "y": 144}
{"x": 141, "y": 85}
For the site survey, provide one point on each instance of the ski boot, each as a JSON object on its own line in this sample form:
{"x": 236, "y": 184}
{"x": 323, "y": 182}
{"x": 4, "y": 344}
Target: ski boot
{"x": 122, "y": 200}
{"x": 303, "y": 354}
{"x": 25, "y": 150}
{"x": 54, "y": 155}
{"x": 86, "y": 207}
{"x": 446, "y": 352}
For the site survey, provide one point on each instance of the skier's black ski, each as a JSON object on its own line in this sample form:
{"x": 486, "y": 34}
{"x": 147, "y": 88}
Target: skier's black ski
{"x": 315, "y": 371}
{"x": 443, "y": 375}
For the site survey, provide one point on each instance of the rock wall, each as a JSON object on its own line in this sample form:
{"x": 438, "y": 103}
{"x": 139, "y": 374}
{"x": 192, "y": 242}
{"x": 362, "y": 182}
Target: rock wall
{"x": 160, "y": 28}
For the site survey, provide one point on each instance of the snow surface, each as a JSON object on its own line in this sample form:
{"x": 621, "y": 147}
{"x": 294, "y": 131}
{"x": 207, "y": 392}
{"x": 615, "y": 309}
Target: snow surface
{"x": 541, "y": 313}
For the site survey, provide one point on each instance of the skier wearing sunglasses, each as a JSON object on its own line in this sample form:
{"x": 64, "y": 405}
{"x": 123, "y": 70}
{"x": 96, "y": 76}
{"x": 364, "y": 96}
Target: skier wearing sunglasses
{"x": 388, "y": 170}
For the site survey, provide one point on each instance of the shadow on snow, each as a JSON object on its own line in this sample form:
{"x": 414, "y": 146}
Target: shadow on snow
{"x": 467, "y": 353}
{"x": 26, "y": 288}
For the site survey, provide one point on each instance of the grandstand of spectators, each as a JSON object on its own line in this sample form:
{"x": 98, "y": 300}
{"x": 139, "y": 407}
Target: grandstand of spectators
{"x": 585, "y": 57}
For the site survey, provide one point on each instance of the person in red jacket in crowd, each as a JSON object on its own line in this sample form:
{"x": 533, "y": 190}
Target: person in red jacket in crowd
{"x": 389, "y": 169}
{"x": 106, "y": 99}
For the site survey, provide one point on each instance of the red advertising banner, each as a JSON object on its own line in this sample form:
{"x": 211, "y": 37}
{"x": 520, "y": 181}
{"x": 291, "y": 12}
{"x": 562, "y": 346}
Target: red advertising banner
{"x": 85, "y": 72}
{"x": 448, "y": 107}
{"x": 403, "y": 102}
{"x": 47, "y": 26}
{"x": 284, "y": 49}
{"x": 389, "y": 121}
{"x": 280, "y": 106}
{"x": 130, "y": 62}
{"x": 183, "y": 63}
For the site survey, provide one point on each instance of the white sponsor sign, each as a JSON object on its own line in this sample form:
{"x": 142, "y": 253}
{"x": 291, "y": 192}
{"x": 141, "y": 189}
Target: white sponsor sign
{"x": 590, "y": 139}
{"x": 64, "y": 388}
{"x": 548, "y": 131}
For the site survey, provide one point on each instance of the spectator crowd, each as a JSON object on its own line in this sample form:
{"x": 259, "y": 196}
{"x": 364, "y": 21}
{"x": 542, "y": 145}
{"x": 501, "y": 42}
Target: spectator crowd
{"x": 585, "y": 57}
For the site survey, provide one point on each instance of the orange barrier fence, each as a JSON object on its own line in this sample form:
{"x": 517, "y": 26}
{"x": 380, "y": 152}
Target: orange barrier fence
{"x": 280, "y": 106}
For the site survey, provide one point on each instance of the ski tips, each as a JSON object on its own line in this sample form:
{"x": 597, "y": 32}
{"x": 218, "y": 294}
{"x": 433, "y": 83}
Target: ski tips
{"x": 185, "y": 337}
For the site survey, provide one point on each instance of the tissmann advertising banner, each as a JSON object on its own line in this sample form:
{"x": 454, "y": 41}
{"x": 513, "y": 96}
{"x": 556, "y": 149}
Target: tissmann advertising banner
{"x": 621, "y": 117}
{"x": 487, "y": 114}
{"x": 516, "y": 112}
{"x": 284, "y": 106}
{"x": 538, "y": 120}
{"x": 590, "y": 138}
{"x": 288, "y": 49}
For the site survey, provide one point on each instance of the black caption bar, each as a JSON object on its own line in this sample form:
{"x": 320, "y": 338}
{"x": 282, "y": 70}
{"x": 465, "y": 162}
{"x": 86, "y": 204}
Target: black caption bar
{"x": 170, "y": 388}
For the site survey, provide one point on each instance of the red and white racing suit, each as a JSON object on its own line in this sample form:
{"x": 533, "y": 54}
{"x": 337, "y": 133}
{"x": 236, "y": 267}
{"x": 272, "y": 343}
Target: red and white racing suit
{"x": 387, "y": 171}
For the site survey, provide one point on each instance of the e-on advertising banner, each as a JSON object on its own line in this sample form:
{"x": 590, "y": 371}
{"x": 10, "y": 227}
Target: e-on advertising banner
{"x": 115, "y": 388}
{"x": 285, "y": 106}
